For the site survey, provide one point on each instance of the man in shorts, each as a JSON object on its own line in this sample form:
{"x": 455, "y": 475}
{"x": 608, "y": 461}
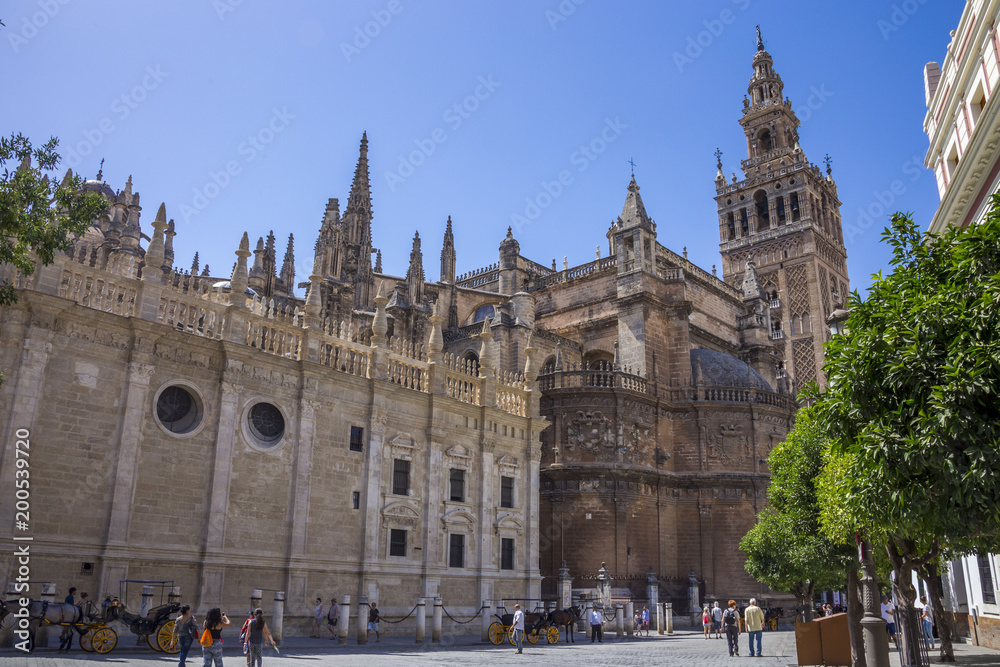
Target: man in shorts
{"x": 717, "y": 621}
{"x": 890, "y": 618}
{"x": 373, "y": 619}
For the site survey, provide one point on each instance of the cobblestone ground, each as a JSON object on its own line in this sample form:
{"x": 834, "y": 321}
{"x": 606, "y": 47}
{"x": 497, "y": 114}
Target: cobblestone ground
{"x": 681, "y": 649}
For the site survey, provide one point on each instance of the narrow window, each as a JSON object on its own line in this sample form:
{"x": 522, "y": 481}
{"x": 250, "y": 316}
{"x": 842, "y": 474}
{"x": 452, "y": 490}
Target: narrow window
{"x": 795, "y": 206}
{"x": 401, "y": 477}
{"x": 397, "y": 542}
{"x": 781, "y": 210}
{"x": 458, "y": 485}
{"x": 507, "y": 553}
{"x": 744, "y": 223}
{"x": 506, "y": 492}
{"x": 456, "y": 551}
{"x": 730, "y": 226}
{"x": 986, "y": 580}
{"x": 356, "y": 500}
{"x": 357, "y": 439}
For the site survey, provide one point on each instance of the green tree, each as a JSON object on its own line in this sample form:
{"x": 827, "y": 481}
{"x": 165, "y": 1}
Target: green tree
{"x": 38, "y": 214}
{"x": 912, "y": 404}
{"x": 785, "y": 550}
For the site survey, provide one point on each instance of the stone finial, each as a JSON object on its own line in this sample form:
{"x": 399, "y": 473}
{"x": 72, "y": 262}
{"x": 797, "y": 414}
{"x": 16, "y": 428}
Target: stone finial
{"x": 194, "y": 265}
{"x": 530, "y": 363}
{"x": 380, "y": 324}
{"x": 616, "y": 364}
{"x": 436, "y": 342}
{"x": 238, "y": 282}
{"x": 486, "y": 364}
{"x": 67, "y": 178}
{"x": 155, "y": 252}
{"x": 559, "y": 359}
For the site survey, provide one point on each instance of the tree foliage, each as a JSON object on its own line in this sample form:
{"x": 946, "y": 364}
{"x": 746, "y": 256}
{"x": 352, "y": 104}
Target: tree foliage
{"x": 786, "y": 550}
{"x": 912, "y": 405}
{"x": 38, "y": 214}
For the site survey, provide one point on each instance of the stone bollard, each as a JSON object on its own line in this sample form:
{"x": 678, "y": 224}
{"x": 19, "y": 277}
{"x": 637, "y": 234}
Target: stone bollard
{"x": 147, "y": 600}
{"x": 421, "y": 620}
{"x": 619, "y": 620}
{"x": 255, "y": 597}
{"x": 630, "y": 618}
{"x": 669, "y": 613}
{"x": 278, "y": 619}
{"x": 588, "y": 609}
{"x": 487, "y": 619}
{"x": 345, "y": 619}
{"x": 438, "y": 613}
{"x": 363, "y": 610}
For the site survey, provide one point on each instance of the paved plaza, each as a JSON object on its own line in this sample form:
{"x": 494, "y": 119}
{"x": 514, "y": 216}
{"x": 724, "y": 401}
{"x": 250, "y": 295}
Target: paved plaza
{"x": 680, "y": 649}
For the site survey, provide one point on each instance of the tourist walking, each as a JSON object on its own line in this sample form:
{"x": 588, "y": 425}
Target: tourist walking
{"x": 754, "y": 618}
{"x": 927, "y": 618}
{"x": 518, "y": 627}
{"x": 706, "y": 621}
{"x": 731, "y": 622}
{"x": 717, "y": 621}
{"x": 258, "y": 636}
{"x": 596, "y": 625}
{"x": 373, "y": 619}
{"x": 317, "y": 618}
{"x": 185, "y": 631}
{"x": 215, "y": 621}
{"x": 889, "y": 614}
{"x": 333, "y": 617}
{"x": 645, "y": 620}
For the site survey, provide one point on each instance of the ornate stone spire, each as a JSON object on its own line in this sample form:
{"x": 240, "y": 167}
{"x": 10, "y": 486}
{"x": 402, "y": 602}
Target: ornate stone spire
{"x": 288, "y": 267}
{"x": 155, "y": 250}
{"x": 415, "y": 273}
{"x": 168, "y": 248}
{"x": 194, "y": 265}
{"x": 633, "y": 212}
{"x": 378, "y": 261}
{"x": 355, "y": 247}
{"x": 270, "y": 265}
{"x": 448, "y": 255}
{"x": 255, "y": 277}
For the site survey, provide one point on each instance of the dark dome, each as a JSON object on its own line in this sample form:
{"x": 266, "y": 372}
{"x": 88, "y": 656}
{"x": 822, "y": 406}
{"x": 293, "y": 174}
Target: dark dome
{"x": 99, "y": 186}
{"x": 718, "y": 369}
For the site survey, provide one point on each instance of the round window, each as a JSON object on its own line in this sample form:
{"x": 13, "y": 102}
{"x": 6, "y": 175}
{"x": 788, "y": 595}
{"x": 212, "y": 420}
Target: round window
{"x": 266, "y": 423}
{"x": 177, "y": 410}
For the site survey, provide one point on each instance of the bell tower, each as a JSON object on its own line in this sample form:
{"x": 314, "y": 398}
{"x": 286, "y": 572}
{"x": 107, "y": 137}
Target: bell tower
{"x": 784, "y": 217}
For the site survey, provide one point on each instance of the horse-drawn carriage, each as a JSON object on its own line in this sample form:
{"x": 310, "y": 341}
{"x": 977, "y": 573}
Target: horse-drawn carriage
{"x": 156, "y": 626}
{"x": 537, "y": 624}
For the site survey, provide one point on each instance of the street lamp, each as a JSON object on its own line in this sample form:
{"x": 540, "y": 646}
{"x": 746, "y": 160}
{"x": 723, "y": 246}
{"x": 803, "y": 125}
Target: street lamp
{"x": 838, "y": 321}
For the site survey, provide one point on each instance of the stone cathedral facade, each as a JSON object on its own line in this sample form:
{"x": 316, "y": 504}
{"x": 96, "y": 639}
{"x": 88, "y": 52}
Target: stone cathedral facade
{"x": 366, "y": 433}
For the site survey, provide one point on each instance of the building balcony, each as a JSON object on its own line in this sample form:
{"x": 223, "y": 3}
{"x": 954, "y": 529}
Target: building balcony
{"x": 777, "y": 334}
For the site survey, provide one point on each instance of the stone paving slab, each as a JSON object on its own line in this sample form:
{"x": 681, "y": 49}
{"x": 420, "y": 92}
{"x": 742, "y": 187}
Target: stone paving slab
{"x": 681, "y": 649}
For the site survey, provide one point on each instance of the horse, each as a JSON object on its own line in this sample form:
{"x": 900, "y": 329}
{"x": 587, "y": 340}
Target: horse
{"x": 43, "y": 611}
{"x": 565, "y": 618}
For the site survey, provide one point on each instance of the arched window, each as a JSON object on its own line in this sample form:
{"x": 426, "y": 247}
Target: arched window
{"x": 730, "y": 226}
{"x": 781, "y": 210}
{"x": 473, "y": 359}
{"x": 766, "y": 143}
{"x": 549, "y": 366}
{"x": 744, "y": 222}
{"x": 795, "y": 206}
{"x": 483, "y": 312}
{"x": 763, "y": 214}
{"x": 598, "y": 360}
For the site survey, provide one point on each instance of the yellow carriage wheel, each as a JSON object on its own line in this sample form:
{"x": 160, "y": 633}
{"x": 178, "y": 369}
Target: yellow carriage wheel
{"x": 553, "y": 634}
{"x": 496, "y": 633}
{"x": 534, "y": 636}
{"x": 163, "y": 636}
{"x": 104, "y": 639}
{"x": 85, "y": 642}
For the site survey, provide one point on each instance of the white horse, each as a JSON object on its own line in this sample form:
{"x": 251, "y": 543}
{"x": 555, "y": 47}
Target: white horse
{"x": 42, "y": 611}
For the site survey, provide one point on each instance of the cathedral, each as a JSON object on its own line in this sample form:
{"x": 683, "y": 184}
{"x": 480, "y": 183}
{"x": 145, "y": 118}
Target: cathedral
{"x": 391, "y": 437}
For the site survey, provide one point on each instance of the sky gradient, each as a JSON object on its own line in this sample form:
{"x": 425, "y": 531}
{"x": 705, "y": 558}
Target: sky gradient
{"x": 246, "y": 116}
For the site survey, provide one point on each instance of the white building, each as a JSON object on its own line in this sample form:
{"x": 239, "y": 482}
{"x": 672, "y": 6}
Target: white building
{"x": 963, "y": 125}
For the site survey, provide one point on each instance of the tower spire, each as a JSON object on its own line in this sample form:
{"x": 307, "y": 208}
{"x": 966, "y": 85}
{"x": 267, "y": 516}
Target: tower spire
{"x": 288, "y": 267}
{"x": 355, "y": 247}
{"x": 415, "y": 274}
{"x": 448, "y": 255}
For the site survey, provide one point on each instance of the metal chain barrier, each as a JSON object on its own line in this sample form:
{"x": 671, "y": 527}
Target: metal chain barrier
{"x": 445, "y": 610}
{"x": 612, "y": 617}
{"x": 383, "y": 618}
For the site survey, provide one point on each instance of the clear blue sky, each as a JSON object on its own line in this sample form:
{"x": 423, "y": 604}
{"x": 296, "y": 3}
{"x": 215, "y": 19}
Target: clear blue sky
{"x": 172, "y": 93}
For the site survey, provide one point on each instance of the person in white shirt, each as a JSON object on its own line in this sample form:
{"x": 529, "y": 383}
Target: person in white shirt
{"x": 317, "y": 618}
{"x": 596, "y": 626}
{"x": 890, "y": 618}
{"x": 927, "y": 618}
{"x": 518, "y": 626}
{"x": 717, "y": 620}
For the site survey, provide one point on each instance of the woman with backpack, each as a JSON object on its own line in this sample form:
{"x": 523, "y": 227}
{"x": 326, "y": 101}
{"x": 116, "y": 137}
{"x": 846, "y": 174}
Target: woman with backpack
{"x": 731, "y": 623}
{"x": 706, "y": 621}
{"x": 215, "y": 620}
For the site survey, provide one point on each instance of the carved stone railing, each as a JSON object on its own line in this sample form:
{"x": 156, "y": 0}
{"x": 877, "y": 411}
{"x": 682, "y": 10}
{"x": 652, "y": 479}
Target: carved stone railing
{"x": 345, "y": 356}
{"x": 98, "y": 289}
{"x": 201, "y": 317}
{"x": 593, "y": 379}
{"x": 597, "y": 266}
{"x": 407, "y": 373}
{"x": 730, "y": 395}
{"x": 267, "y": 335}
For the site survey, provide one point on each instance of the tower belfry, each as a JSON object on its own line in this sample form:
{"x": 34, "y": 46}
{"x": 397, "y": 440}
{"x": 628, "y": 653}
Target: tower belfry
{"x": 785, "y": 215}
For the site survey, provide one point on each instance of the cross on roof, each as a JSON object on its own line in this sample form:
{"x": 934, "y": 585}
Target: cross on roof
{"x": 632, "y": 162}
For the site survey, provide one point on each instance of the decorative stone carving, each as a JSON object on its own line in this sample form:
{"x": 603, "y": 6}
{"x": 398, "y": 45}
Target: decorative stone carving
{"x": 401, "y": 514}
{"x": 728, "y": 446}
{"x": 590, "y": 431}
{"x": 403, "y": 446}
{"x": 508, "y": 464}
{"x": 458, "y": 457}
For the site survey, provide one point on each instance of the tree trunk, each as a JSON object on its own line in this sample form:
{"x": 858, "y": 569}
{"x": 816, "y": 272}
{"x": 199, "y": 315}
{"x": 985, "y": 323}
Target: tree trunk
{"x": 901, "y": 554}
{"x": 929, "y": 573}
{"x": 854, "y": 614}
{"x": 803, "y": 592}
